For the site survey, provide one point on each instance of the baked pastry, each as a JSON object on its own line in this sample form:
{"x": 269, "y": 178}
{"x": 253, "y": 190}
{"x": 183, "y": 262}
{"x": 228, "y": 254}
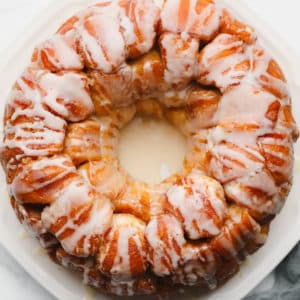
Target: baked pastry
{"x": 190, "y": 62}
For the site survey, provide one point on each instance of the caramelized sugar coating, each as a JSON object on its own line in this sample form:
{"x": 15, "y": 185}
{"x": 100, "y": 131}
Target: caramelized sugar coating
{"x": 108, "y": 178}
{"x": 82, "y": 142}
{"x": 190, "y": 62}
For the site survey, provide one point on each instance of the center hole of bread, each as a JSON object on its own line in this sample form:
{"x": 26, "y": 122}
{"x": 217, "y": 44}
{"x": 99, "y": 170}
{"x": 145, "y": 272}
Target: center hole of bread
{"x": 151, "y": 150}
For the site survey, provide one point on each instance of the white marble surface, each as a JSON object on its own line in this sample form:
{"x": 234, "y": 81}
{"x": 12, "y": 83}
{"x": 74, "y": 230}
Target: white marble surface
{"x": 283, "y": 16}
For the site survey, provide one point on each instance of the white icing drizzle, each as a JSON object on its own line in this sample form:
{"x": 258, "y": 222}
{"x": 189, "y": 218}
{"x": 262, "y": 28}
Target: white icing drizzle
{"x": 184, "y": 24}
{"x": 184, "y": 16}
{"x": 199, "y": 202}
{"x": 82, "y": 141}
{"x": 112, "y": 89}
{"x": 236, "y": 154}
{"x": 135, "y": 199}
{"x": 67, "y": 95}
{"x": 131, "y": 23}
{"x": 60, "y": 52}
{"x": 165, "y": 237}
{"x": 260, "y": 62}
{"x": 33, "y": 173}
{"x": 180, "y": 57}
{"x": 257, "y": 191}
{"x": 222, "y": 71}
{"x": 107, "y": 178}
{"x": 202, "y": 106}
{"x": 233, "y": 144}
{"x": 238, "y": 230}
{"x": 242, "y": 63}
{"x": 157, "y": 196}
{"x": 245, "y": 105}
{"x": 100, "y": 50}
{"x": 97, "y": 139}
{"x": 128, "y": 27}
{"x": 278, "y": 149}
{"x": 148, "y": 77}
{"x": 41, "y": 133}
{"x": 174, "y": 98}
{"x": 109, "y": 137}
{"x": 125, "y": 229}
{"x": 230, "y": 161}
{"x": 138, "y": 21}
{"x": 72, "y": 202}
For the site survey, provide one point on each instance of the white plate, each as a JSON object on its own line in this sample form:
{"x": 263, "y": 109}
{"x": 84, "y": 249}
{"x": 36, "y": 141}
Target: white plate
{"x": 284, "y": 231}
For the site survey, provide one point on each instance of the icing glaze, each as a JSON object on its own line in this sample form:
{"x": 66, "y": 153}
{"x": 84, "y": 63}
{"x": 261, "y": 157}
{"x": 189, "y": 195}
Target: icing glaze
{"x": 179, "y": 58}
{"x": 108, "y": 179}
{"x": 199, "y": 203}
{"x": 165, "y": 237}
{"x": 123, "y": 254}
{"x": 238, "y": 230}
{"x": 67, "y": 95}
{"x": 82, "y": 142}
{"x": 197, "y": 18}
{"x": 78, "y": 218}
{"x": 98, "y": 49}
{"x": 40, "y": 181}
{"x": 59, "y": 52}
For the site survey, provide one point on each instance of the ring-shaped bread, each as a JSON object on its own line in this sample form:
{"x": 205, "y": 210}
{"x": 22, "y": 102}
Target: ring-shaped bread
{"x": 188, "y": 61}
